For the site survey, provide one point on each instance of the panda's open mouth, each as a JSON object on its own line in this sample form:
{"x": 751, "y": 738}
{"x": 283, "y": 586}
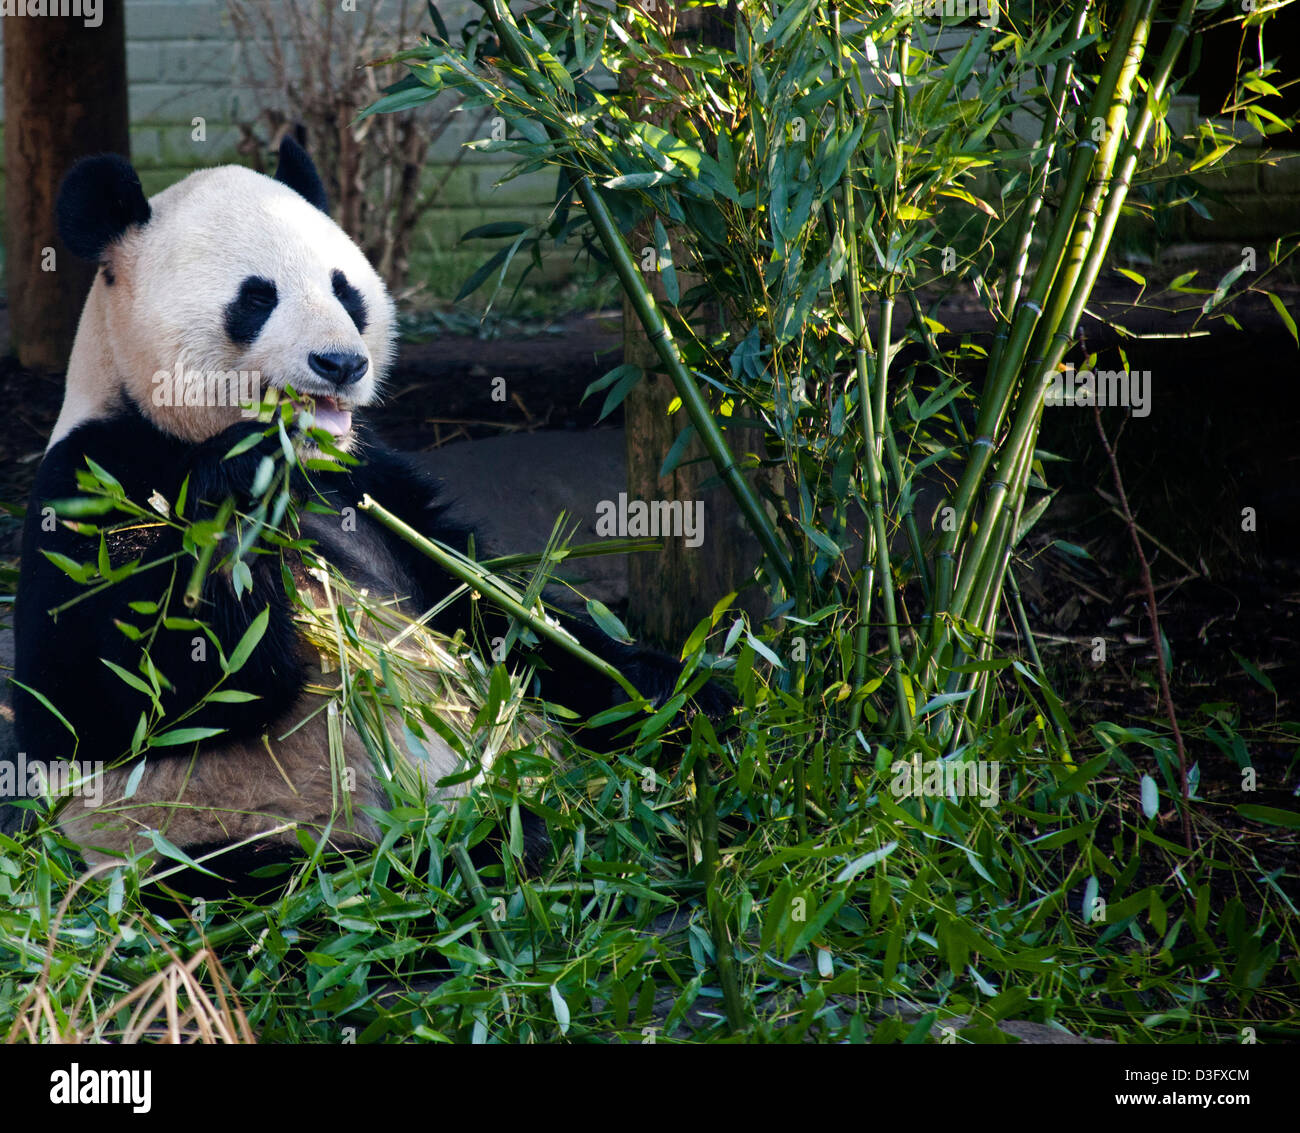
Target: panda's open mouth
{"x": 326, "y": 413}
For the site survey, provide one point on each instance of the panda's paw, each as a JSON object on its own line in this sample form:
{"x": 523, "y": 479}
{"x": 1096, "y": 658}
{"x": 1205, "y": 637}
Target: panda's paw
{"x": 655, "y": 675}
{"x": 717, "y": 702}
{"x": 216, "y": 474}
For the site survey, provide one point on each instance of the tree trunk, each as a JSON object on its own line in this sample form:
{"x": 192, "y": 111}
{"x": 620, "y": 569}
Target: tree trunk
{"x": 64, "y": 98}
{"x": 671, "y": 590}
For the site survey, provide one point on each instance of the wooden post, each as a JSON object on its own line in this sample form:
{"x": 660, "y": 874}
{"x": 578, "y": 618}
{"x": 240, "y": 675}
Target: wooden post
{"x": 64, "y": 98}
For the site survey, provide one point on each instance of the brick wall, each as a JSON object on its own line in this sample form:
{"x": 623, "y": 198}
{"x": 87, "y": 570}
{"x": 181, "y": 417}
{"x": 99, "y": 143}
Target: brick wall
{"x": 183, "y": 62}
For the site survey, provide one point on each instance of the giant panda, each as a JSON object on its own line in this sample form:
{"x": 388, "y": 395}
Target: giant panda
{"x": 231, "y": 270}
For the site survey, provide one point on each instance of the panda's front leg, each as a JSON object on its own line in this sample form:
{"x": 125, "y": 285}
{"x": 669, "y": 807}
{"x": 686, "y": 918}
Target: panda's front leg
{"x": 274, "y": 671}
{"x": 574, "y": 684}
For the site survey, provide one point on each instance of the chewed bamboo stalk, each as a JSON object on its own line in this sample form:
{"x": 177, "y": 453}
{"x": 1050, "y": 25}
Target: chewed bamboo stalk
{"x": 482, "y": 583}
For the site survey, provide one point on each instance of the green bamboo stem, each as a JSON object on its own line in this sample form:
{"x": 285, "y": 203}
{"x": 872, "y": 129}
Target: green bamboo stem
{"x": 1120, "y": 66}
{"x": 1100, "y": 239}
{"x": 1001, "y": 386}
{"x": 1054, "y": 322}
{"x": 657, "y": 331}
{"x": 1052, "y": 124}
{"x": 723, "y": 949}
{"x": 1123, "y": 175}
{"x": 477, "y": 894}
{"x": 984, "y": 592}
{"x": 985, "y": 609}
{"x": 482, "y": 585}
{"x": 908, "y": 517}
{"x": 988, "y": 585}
{"x": 1022, "y": 621}
{"x": 581, "y": 551}
{"x": 1091, "y": 241}
{"x": 877, "y": 541}
{"x": 1018, "y": 447}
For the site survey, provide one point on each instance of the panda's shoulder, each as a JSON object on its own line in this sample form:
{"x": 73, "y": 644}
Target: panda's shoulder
{"x": 405, "y": 487}
{"x": 122, "y": 442}
{"x": 389, "y": 471}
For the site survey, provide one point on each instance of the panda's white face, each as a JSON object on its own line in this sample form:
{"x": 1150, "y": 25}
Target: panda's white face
{"x": 233, "y": 274}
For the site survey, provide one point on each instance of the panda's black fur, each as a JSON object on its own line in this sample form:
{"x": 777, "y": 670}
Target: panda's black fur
{"x": 62, "y": 656}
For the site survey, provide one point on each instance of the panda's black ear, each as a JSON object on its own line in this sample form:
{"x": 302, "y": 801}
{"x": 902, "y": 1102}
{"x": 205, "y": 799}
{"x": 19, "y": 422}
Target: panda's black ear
{"x": 99, "y": 200}
{"x": 297, "y": 171}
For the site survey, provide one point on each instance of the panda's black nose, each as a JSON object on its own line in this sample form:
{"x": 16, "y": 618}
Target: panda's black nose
{"x": 338, "y": 368}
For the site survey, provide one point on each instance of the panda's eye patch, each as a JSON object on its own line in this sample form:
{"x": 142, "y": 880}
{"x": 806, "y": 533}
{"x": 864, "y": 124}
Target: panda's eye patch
{"x": 351, "y": 300}
{"x": 258, "y": 292}
{"x": 248, "y": 311}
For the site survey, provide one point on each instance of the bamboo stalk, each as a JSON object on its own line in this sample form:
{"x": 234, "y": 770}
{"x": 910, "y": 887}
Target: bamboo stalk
{"x": 1052, "y": 122}
{"x": 1123, "y": 174}
{"x": 474, "y": 886}
{"x": 1001, "y": 386}
{"x": 1054, "y": 326}
{"x": 1055, "y": 322}
{"x": 1081, "y": 191}
{"x": 1115, "y": 187}
{"x": 871, "y": 430}
{"x": 483, "y": 585}
{"x": 657, "y": 330}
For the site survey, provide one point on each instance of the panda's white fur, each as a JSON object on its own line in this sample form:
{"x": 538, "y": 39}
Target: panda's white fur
{"x": 171, "y": 278}
{"x": 168, "y": 269}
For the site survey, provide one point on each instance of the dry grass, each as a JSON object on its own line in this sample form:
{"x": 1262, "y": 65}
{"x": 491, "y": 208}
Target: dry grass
{"x": 187, "y": 1001}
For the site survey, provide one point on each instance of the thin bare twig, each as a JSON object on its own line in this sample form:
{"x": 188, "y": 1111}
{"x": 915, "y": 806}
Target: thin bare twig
{"x": 1145, "y": 567}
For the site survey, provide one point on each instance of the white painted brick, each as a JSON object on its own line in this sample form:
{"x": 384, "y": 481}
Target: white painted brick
{"x": 145, "y": 145}
{"x": 179, "y": 102}
{"x": 143, "y": 62}
{"x": 205, "y": 61}
{"x": 177, "y": 19}
{"x": 180, "y": 148}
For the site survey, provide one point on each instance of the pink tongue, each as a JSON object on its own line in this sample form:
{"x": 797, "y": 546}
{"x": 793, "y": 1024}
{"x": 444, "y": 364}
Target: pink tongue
{"x": 333, "y": 420}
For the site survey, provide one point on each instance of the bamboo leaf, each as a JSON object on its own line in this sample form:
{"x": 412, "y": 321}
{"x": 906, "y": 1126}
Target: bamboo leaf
{"x": 1255, "y": 673}
{"x": 404, "y": 99}
{"x": 1150, "y": 797}
{"x": 857, "y": 865}
{"x": 763, "y": 651}
{"x": 1272, "y": 815}
{"x": 247, "y": 643}
{"x": 604, "y": 617}
{"x": 1211, "y": 157}
{"x": 494, "y": 230}
{"x": 45, "y": 703}
{"x": 179, "y": 736}
{"x": 483, "y": 273}
{"x": 129, "y": 678}
{"x": 636, "y": 180}
{"x": 167, "y": 850}
{"x": 1284, "y": 314}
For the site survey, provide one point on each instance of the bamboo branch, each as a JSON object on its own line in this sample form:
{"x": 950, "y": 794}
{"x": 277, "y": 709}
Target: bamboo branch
{"x": 657, "y": 331}
{"x": 480, "y": 583}
{"x": 871, "y": 430}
